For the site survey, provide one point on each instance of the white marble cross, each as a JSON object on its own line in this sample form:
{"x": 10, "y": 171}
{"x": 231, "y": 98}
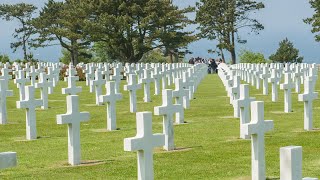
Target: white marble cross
{"x": 89, "y": 77}
{"x": 257, "y": 128}
{"x": 146, "y": 81}
{"x": 291, "y": 163}
{"x": 50, "y": 79}
{"x": 188, "y": 83}
{"x": 72, "y": 89}
{"x": 164, "y": 76}
{"x": 8, "y": 159}
{"x": 116, "y": 77}
{"x": 30, "y": 104}
{"x": 4, "y": 93}
{"x": 297, "y": 77}
{"x": 139, "y": 72}
{"x": 287, "y": 86}
{"x": 274, "y": 79}
{"x": 235, "y": 94}
{"x": 132, "y": 87}
{"x": 6, "y": 76}
{"x": 73, "y": 118}
{"x": 21, "y": 82}
{"x": 308, "y": 97}
{"x": 257, "y": 73}
{"x": 243, "y": 103}
{"x": 106, "y": 72}
{"x": 128, "y": 70}
{"x": 144, "y": 142}
{"x": 178, "y": 94}
{"x": 264, "y": 76}
{"x": 167, "y": 110}
{"x": 43, "y": 84}
{"x": 157, "y": 76}
{"x": 33, "y": 74}
{"x": 98, "y": 82}
{"x": 111, "y": 98}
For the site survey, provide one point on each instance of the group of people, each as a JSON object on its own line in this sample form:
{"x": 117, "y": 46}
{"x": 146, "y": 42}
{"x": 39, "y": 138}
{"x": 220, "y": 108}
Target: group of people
{"x": 212, "y": 63}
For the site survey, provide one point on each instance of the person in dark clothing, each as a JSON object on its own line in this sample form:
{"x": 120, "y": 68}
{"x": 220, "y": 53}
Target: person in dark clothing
{"x": 191, "y": 61}
{"x": 213, "y": 65}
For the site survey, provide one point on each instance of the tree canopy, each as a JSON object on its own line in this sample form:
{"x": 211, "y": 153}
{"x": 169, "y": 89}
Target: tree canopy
{"x": 23, "y": 13}
{"x": 222, "y": 21}
{"x": 129, "y": 29}
{"x": 62, "y": 22}
{"x": 314, "y": 21}
{"x": 286, "y": 53}
{"x": 247, "y": 56}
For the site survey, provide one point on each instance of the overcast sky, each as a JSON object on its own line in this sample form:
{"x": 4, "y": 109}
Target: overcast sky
{"x": 281, "y": 18}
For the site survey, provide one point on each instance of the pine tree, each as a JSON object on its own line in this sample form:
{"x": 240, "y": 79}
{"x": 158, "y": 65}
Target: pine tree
{"x": 286, "y": 53}
{"x": 23, "y": 13}
{"x": 222, "y": 20}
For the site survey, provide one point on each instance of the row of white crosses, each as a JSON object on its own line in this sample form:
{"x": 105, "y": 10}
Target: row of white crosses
{"x": 73, "y": 117}
{"x": 290, "y": 160}
{"x": 28, "y": 101}
{"x": 147, "y": 76}
{"x": 20, "y": 80}
{"x": 145, "y": 141}
{"x": 294, "y": 76}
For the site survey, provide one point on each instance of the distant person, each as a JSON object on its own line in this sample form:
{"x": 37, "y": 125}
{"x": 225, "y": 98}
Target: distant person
{"x": 213, "y": 66}
{"x": 191, "y": 61}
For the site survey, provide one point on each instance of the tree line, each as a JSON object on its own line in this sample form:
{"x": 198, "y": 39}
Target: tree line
{"x": 127, "y": 31}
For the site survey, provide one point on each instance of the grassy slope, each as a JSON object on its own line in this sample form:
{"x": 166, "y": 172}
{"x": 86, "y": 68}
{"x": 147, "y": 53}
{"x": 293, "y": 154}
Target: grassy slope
{"x": 210, "y": 147}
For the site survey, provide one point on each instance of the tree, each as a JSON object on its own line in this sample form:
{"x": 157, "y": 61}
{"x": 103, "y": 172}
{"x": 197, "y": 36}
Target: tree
{"x": 23, "y": 13}
{"x": 62, "y": 22}
{"x": 84, "y": 56}
{"x": 314, "y": 21}
{"x": 172, "y": 35}
{"x": 286, "y": 53}
{"x": 221, "y": 20}
{"x": 129, "y": 29}
{"x": 4, "y": 58}
{"x": 246, "y": 56}
{"x": 154, "y": 56}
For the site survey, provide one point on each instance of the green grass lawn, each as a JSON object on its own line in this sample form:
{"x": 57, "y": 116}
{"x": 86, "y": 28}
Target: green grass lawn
{"x": 209, "y": 146}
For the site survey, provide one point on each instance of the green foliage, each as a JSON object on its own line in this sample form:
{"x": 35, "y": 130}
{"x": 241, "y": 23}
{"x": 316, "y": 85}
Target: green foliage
{"x": 23, "y": 13}
{"x": 286, "y": 53}
{"x": 314, "y": 21}
{"x": 128, "y": 29}
{"x": 85, "y": 56}
{"x": 222, "y": 20}
{"x": 4, "y": 58}
{"x": 246, "y": 56}
{"x": 154, "y": 56}
{"x": 62, "y": 22}
{"x": 100, "y": 53}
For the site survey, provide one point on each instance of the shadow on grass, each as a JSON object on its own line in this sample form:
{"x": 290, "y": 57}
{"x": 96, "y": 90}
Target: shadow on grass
{"x": 273, "y": 178}
{"x": 88, "y": 163}
{"x": 177, "y": 149}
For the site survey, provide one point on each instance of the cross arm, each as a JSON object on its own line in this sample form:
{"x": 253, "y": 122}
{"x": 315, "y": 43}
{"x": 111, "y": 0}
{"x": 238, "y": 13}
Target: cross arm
{"x": 133, "y": 144}
{"x": 71, "y": 118}
{"x": 308, "y": 97}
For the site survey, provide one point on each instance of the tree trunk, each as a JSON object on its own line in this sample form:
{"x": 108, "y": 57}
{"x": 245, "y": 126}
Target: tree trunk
{"x": 232, "y": 50}
{"x": 74, "y": 53}
{"x": 171, "y": 58}
{"x": 222, "y": 54}
{"x": 233, "y": 56}
{"x": 24, "y": 47}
